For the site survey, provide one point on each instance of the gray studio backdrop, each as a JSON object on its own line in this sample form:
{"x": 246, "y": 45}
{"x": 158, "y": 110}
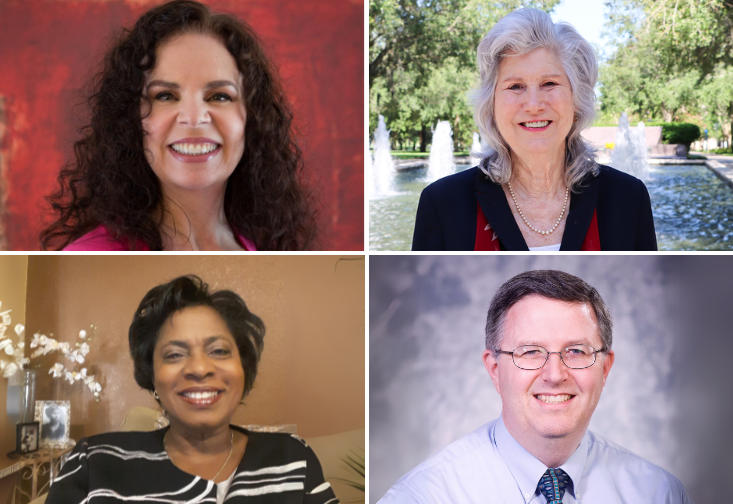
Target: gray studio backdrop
{"x": 668, "y": 397}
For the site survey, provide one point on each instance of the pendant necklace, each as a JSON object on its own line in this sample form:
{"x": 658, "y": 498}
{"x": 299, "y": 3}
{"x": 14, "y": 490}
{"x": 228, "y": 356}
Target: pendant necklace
{"x": 231, "y": 449}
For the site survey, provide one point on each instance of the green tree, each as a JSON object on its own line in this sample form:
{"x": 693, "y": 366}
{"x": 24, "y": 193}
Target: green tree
{"x": 673, "y": 57}
{"x": 715, "y": 94}
{"x": 635, "y": 81}
{"x": 690, "y": 33}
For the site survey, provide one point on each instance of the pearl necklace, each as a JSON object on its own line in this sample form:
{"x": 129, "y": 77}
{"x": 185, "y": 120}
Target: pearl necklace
{"x": 231, "y": 449}
{"x": 559, "y": 219}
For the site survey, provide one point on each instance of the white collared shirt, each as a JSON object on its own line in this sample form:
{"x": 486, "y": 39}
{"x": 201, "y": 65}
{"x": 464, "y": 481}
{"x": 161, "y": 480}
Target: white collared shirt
{"x": 489, "y": 465}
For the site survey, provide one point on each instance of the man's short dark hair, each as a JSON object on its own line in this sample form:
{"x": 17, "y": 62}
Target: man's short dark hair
{"x": 161, "y": 302}
{"x": 551, "y": 284}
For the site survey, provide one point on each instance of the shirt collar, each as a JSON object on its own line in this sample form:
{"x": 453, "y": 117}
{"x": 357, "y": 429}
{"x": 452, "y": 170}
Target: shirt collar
{"x": 528, "y": 470}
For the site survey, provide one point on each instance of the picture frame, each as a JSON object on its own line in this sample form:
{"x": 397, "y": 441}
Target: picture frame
{"x": 27, "y": 437}
{"x": 54, "y": 418}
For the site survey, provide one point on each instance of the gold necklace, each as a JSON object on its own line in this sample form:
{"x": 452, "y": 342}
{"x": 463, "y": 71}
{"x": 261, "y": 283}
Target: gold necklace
{"x": 231, "y": 449}
{"x": 559, "y": 219}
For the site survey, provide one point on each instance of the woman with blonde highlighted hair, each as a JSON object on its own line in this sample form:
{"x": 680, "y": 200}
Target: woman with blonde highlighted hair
{"x": 538, "y": 186}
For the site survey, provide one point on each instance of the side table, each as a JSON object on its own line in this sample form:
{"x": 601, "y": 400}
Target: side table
{"x": 44, "y": 462}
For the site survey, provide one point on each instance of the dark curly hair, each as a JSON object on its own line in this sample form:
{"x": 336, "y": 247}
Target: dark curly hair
{"x": 161, "y": 302}
{"x": 110, "y": 181}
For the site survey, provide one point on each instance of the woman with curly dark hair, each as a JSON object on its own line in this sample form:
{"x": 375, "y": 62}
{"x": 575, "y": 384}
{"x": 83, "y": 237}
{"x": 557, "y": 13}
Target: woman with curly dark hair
{"x": 189, "y": 147}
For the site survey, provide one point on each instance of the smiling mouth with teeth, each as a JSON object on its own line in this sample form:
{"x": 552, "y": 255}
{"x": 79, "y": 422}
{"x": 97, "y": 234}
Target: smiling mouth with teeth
{"x": 201, "y": 398}
{"x": 554, "y": 399}
{"x": 535, "y": 124}
{"x": 201, "y": 395}
{"x": 194, "y": 149}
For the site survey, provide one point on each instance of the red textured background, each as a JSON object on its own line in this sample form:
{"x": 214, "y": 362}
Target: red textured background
{"x": 50, "y": 48}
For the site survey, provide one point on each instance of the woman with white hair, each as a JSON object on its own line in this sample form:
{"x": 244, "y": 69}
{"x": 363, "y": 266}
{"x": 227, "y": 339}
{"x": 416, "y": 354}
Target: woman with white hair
{"x": 538, "y": 186}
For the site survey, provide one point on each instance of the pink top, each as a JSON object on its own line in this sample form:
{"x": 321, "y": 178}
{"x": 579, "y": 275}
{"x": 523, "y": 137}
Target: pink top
{"x": 99, "y": 239}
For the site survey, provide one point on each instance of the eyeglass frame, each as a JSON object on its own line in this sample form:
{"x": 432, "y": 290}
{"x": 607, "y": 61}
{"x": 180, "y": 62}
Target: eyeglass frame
{"x": 547, "y": 357}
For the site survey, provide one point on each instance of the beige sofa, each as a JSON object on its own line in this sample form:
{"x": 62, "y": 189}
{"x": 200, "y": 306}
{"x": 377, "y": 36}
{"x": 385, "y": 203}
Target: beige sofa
{"x": 331, "y": 450}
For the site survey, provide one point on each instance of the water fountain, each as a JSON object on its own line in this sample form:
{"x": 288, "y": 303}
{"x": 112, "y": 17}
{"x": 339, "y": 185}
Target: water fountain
{"x": 680, "y": 195}
{"x": 641, "y": 150}
{"x": 368, "y": 178}
{"x": 475, "y": 149}
{"x": 383, "y": 171}
{"x": 629, "y": 153}
{"x": 441, "y": 152}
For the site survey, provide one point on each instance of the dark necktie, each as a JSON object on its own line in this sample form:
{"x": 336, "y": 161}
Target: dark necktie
{"x": 552, "y": 485}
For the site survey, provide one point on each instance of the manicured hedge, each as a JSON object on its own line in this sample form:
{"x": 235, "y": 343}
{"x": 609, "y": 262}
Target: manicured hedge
{"x": 680, "y": 133}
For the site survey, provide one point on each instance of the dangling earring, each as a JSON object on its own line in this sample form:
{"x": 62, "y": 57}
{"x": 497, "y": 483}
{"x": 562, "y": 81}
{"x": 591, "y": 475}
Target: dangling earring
{"x": 575, "y": 117}
{"x": 155, "y": 394}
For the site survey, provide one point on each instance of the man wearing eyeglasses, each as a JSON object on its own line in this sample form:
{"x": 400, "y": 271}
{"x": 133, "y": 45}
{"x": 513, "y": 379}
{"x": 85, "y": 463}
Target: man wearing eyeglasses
{"x": 548, "y": 351}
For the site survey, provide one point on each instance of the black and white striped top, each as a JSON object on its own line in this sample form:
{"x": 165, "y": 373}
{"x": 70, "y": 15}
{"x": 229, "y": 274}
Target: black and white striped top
{"x": 133, "y": 467}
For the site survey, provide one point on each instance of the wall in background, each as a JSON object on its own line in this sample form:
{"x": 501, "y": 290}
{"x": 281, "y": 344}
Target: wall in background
{"x": 667, "y": 397}
{"x": 12, "y": 295}
{"x": 312, "y": 368}
{"x": 49, "y": 50}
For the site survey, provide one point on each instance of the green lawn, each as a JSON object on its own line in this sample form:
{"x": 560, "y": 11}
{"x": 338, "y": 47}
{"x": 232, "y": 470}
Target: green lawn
{"x": 408, "y": 154}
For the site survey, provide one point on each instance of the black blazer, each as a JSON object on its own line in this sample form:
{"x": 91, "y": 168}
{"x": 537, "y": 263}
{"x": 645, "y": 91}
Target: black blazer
{"x": 446, "y": 214}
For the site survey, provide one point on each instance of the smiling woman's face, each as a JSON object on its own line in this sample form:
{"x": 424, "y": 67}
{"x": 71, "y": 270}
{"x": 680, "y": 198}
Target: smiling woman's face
{"x": 195, "y": 126}
{"x": 197, "y": 369}
{"x": 533, "y": 103}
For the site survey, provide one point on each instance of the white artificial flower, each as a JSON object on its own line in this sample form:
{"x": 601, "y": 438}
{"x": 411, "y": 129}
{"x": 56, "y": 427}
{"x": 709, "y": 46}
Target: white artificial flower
{"x": 65, "y": 347}
{"x": 51, "y": 345}
{"x": 10, "y": 370}
{"x": 20, "y": 359}
{"x": 36, "y": 340}
{"x": 36, "y": 353}
{"x": 6, "y": 318}
{"x": 8, "y": 348}
{"x": 57, "y": 370}
{"x": 43, "y": 339}
{"x": 19, "y": 329}
{"x": 82, "y": 334}
{"x": 84, "y": 349}
{"x": 70, "y": 377}
{"x": 6, "y": 343}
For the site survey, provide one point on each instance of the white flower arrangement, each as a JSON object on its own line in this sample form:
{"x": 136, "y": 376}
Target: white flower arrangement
{"x": 44, "y": 346}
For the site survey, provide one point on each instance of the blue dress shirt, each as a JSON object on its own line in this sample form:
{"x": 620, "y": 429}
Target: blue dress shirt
{"x": 489, "y": 465}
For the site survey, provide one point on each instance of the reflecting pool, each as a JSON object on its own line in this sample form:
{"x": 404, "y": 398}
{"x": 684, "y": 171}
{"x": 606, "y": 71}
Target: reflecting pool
{"x": 693, "y": 209}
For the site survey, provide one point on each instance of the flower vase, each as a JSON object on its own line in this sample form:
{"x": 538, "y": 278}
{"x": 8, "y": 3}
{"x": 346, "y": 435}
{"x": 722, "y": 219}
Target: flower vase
{"x": 27, "y": 395}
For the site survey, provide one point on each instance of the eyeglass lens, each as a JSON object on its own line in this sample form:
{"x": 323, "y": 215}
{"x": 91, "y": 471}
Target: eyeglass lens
{"x": 574, "y": 356}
